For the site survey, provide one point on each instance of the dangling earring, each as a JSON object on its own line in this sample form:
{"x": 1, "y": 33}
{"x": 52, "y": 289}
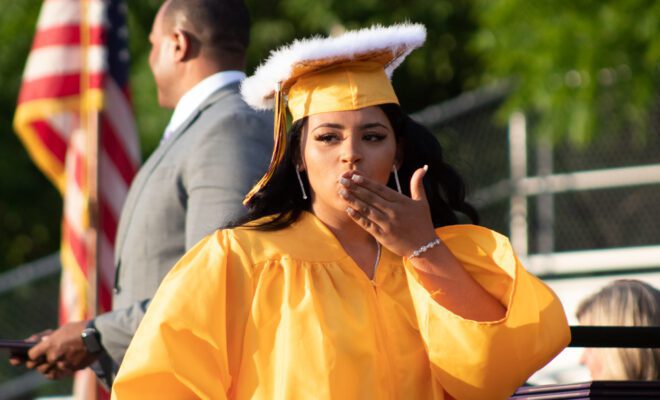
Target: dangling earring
{"x": 302, "y": 187}
{"x": 396, "y": 178}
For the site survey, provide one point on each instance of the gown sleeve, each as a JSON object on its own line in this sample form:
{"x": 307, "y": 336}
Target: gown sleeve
{"x": 479, "y": 360}
{"x": 181, "y": 348}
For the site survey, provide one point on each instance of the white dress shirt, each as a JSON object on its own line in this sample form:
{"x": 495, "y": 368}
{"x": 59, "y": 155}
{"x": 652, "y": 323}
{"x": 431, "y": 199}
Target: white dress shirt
{"x": 194, "y": 97}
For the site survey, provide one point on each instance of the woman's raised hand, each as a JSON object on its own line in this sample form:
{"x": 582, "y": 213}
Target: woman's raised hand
{"x": 400, "y": 223}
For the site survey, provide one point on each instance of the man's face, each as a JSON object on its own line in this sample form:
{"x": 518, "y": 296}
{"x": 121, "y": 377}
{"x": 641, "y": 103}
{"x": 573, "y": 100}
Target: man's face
{"x": 161, "y": 58}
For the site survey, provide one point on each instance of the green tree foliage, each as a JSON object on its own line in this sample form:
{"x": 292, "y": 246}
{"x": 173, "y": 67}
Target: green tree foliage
{"x": 29, "y": 204}
{"x": 586, "y": 68}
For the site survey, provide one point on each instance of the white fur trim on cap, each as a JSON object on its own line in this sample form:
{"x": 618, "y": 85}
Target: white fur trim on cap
{"x": 258, "y": 89}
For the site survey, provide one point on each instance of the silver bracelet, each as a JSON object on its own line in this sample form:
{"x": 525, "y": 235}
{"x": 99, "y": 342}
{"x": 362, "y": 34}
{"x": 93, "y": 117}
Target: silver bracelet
{"x": 424, "y": 248}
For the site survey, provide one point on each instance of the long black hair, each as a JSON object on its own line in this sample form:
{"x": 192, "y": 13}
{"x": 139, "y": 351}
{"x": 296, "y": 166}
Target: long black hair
{"x": 282, "y": 199}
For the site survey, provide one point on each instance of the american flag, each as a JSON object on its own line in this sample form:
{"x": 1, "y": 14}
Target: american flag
{"x": 74, "y": 116}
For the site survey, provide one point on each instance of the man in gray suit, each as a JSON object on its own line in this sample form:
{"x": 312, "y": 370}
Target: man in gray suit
{"x": 213, "y": 150}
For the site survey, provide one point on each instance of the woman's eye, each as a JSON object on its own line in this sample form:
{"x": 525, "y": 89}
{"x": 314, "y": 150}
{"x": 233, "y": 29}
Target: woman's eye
{"x": 373, "y": 137}
{"x": 327, "y": 137}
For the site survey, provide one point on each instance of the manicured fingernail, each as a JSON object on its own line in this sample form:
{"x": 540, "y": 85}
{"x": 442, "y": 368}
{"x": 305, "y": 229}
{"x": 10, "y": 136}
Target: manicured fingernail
{"x": 350, "y": 211}
{"x": 343, "y": 193}
{"x": 357, "y": 178}
{"x": 425, "y": 167}
{"x": 344, "y": 181}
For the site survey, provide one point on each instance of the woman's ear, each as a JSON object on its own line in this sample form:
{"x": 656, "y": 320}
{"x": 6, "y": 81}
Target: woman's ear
{"x": 300, "y": 161}
{"x": 398, "y": 157}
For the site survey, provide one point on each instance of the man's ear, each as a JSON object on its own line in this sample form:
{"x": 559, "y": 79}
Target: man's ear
{"x": 181, "y": 44}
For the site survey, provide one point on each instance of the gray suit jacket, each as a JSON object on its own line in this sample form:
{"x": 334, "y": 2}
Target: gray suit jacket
{"x": 191, "y": 185}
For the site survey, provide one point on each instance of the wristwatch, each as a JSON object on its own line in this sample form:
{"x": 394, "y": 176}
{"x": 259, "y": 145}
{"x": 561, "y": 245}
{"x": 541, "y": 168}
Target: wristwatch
{"x": 91, "y": 338}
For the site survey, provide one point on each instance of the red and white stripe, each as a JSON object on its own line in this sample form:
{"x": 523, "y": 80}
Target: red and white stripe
{"x": 119, "y": 159}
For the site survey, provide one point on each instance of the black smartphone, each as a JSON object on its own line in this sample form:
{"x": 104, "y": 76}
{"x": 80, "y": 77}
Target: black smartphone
{"x": 16, "y": 347}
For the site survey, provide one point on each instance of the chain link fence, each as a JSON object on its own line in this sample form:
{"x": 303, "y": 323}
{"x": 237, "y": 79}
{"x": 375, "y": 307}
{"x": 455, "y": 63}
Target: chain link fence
{"x": 477, "y": 144}
{"x": 29, "y": 303}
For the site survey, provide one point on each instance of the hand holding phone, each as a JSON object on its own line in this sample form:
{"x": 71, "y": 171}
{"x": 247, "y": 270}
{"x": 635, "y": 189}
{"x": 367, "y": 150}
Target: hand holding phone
{"x": 16, "y": 348}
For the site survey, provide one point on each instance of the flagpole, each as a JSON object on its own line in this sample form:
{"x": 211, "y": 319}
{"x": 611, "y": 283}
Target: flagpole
{"x": 89, "y": 118}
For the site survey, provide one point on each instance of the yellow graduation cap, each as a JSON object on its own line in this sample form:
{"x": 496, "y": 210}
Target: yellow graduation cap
{"x": 317, "y": 75}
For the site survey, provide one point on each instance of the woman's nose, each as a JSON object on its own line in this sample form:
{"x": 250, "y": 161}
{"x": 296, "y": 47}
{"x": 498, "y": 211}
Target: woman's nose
{"x": 350, "y": 152}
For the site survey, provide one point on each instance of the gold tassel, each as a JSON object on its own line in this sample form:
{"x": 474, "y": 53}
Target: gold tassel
{"x": 279, "y": 145}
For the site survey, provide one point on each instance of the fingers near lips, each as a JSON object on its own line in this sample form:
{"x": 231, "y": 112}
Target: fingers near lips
{"x": 354, "y": 202}
{"x": 364, "y": 206}
{"x": 355, "y": 180}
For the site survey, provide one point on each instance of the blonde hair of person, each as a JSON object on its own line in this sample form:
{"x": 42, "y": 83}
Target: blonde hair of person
{"x": 625, "y": 302}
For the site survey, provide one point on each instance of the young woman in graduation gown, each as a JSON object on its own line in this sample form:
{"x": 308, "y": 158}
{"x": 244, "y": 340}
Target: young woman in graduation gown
{"x": 351, "y": 277}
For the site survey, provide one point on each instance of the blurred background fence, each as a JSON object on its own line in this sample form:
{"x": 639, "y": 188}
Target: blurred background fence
{"x": 569, "y": 210}
{"x": 29, "y": 303}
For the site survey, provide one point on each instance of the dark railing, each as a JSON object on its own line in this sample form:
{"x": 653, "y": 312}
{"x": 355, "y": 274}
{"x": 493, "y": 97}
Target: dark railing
{"x": 615, "y": 336}
{"x": 597, "y": 390}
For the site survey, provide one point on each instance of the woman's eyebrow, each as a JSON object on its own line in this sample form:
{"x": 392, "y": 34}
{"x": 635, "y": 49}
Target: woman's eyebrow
{"x": 368, "y": 125}
{"x": 372, "y": 125}
{"x": 329, "y": 125}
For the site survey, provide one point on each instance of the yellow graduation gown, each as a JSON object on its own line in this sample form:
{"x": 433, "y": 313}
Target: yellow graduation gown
{"x": 289, "y": 315}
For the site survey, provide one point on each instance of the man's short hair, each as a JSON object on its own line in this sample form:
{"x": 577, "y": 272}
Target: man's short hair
{"x": 222, "y": 26}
